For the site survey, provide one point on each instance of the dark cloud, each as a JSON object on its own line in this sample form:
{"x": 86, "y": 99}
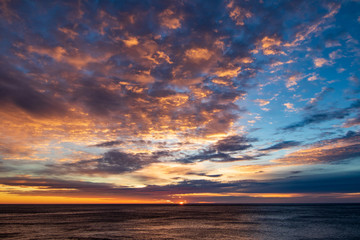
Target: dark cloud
{"x": 112, "y": 162}
{"x": 120, "y": 142}
{"x": 233, "y": 143}
{"x": 318, "y": 118}
{"x": 4, "y": 168}
{"x": 353, "y": 121}
{"x": 16, "y": 89}
{"x": 104, "y": 189}
{"x": 327, "y": 151}
{"x": 216, "y": 157}
{"x": 318, "y": 97}
{"x": 223, "y": 149}
{"x": 321, "y": 183}
{"x": 350, "y": 134}
{"x": 325, "y": 116}
{"x": 204, "y": 174}
{"x": 281, "y": 145}
{"x": 127, "y": 63}
{"x": 108, "y": 144}
{"x": 118, "y": 162}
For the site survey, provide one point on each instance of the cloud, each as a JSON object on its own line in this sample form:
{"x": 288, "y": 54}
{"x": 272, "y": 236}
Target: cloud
{"x": 60, "y": 54}
{"x": 319, "y": 62}
{"x": 237, "y": 13}
{"x": 313, "y": 77}
{"x": 269, "y": 46}
{"x": 7, "y": 12}
{"x": 112, "y": 162}
{"x": 316, "y": 25}
{"x": 69, "y": 32}
{"x": 352, "y": 122}
{"x": 159, "y": 82}
{"x": 16, "y": 89}
{"x": 233, "y": 143}
{"x": 222, "y": 151}
{"x": 15, "y": 150}
{"x": 312, "y": 184}
{"x": 293, "y": 80}
{"x": 335, "y": 54}
{"x": 131, "y": 41}
{"x": 282, "y": 145}
{"x": 198, "y": 54}
{"x": 354, "y": 79}
{"x": 169, "y": 20}
{"x": 319, "y": 183}
{"x": 318, "y": 118}
{"x": 327, "y": 151}
{"x": 324, "y": 116}
{"x": 289, "y": 106}
{"x": 205, "y": 175}
{"x": 132, "y": 69}
{"x": 108, "y": 144}
{"x": 318, "y": 97}
{"x": 262, "y": 102}
{"x": 216, "y": 157}
{"x": 332, "y": 43}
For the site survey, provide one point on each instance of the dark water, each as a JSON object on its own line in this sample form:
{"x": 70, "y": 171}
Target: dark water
{"x": 180, "y": 222}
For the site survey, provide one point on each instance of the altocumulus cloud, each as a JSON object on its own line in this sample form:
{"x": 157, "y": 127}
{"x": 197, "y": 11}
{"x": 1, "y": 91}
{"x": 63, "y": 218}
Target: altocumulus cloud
{"x": 178, "y": 97}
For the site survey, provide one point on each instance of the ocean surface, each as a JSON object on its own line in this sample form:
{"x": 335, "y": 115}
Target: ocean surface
{"x": 335, "y": 221}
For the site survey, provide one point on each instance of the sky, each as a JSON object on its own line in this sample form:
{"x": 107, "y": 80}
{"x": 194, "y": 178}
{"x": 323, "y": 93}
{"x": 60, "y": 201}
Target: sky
{"x": 189, "y": 101}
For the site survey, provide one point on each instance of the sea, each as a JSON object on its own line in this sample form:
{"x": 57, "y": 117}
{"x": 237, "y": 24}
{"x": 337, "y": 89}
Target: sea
{"x": 270, "y": 221}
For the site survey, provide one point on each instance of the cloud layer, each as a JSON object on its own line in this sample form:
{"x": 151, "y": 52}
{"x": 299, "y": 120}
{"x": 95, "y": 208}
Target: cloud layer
{"x": 161, "y": 100}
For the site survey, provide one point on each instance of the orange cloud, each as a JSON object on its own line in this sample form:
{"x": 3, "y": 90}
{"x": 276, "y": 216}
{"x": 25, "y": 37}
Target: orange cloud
{"x": 325, "y": 151}
{"x": 169, "y": 20}
{"x": 60, "y": 54}
{"x": 268, "y": 42}
{"x": 238, "y": 14}
{"x": 131, "y": 41}
{"x": 69, "y": 32}
{"x": 269, "y": 46}
{"x": 293, "y": 80}
{"x": 228, "y": 73}
{"x": 262, "y": 102}
{"x": 302, "y": 35}
{"x": 6, "y": 12}
{"x": 289, "y": 106}
{"x": 198, "y": 54}
{"x": 319, "y": 62}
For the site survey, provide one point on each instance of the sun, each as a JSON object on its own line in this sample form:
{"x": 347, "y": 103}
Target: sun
{"x": 181, "y": 203}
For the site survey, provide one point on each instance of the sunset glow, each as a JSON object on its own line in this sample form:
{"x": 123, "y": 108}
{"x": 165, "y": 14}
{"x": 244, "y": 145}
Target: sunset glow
{"x": 179, "y": 102}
